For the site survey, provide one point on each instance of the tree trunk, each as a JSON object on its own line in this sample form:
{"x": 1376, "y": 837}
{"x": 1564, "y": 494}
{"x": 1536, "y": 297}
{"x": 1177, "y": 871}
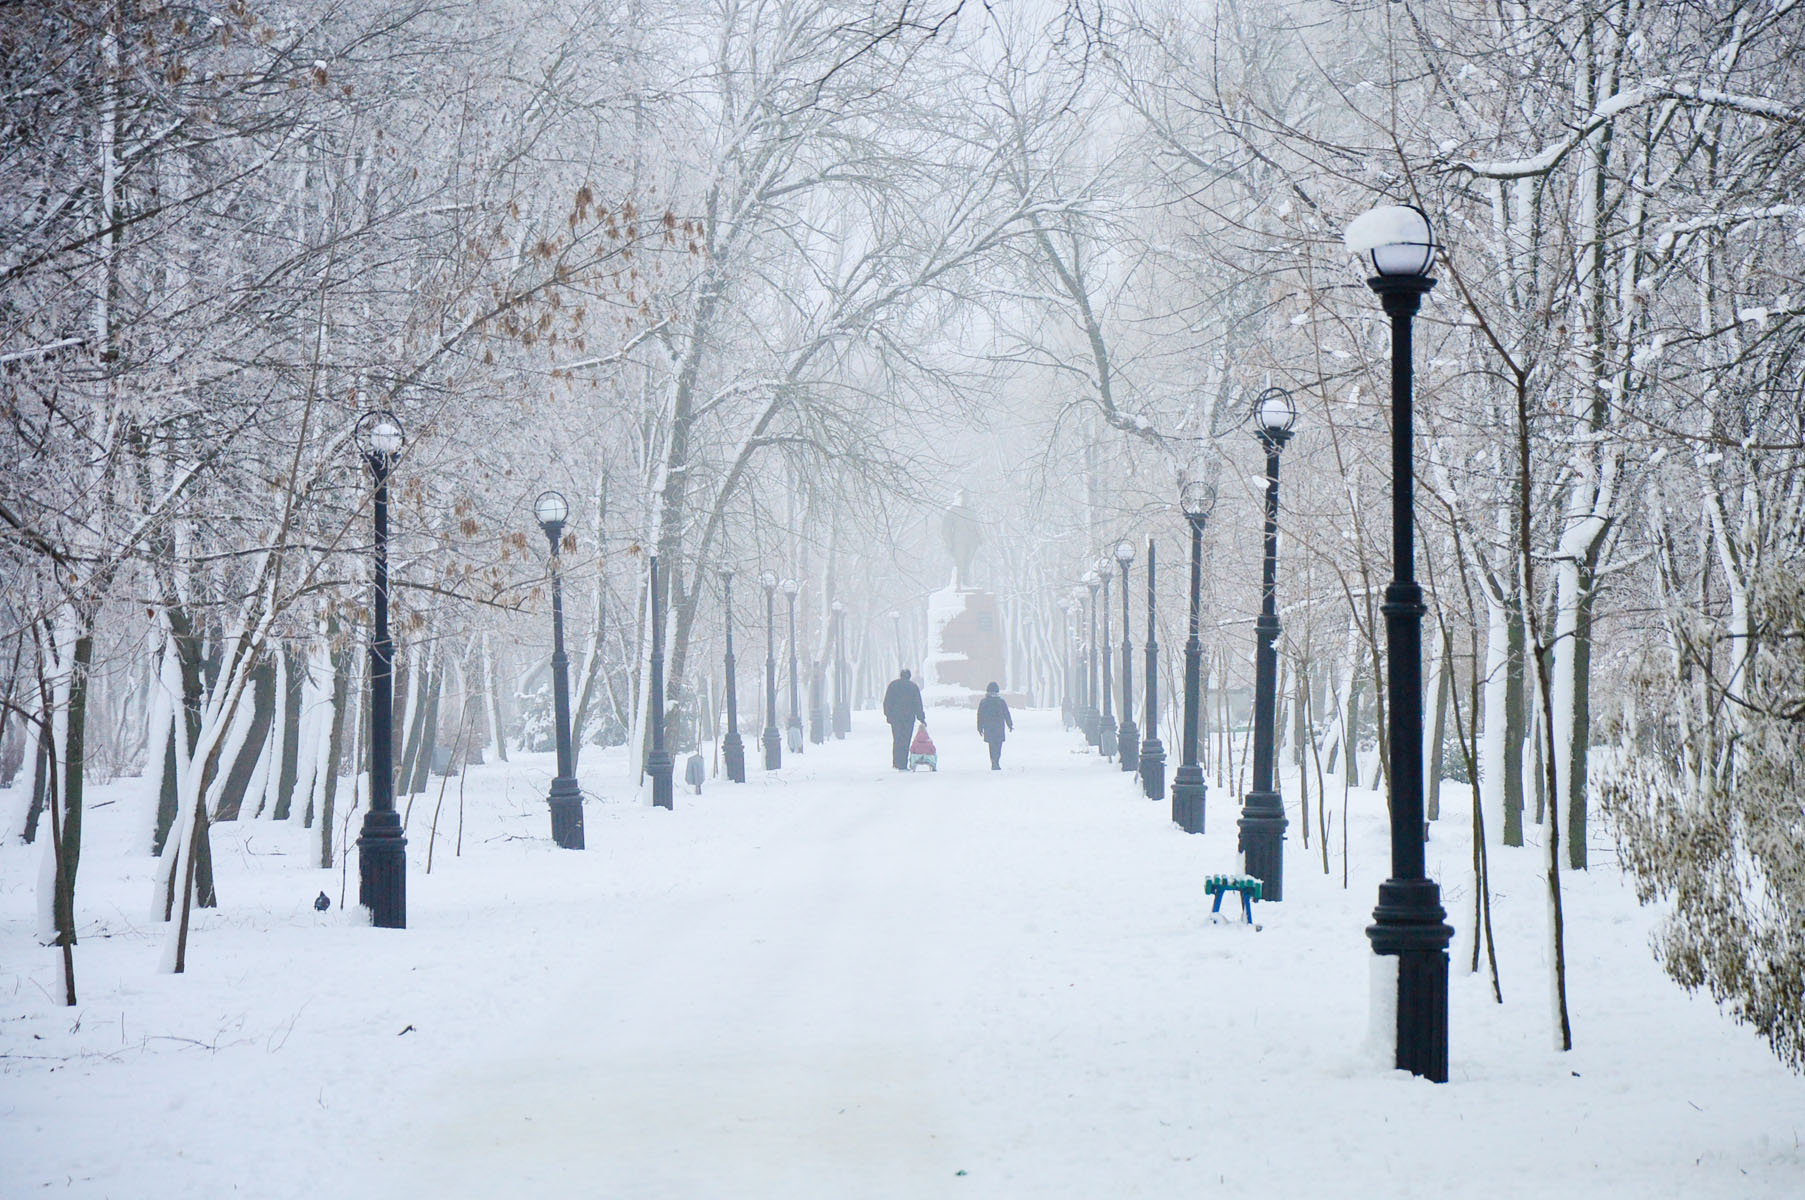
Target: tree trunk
{"x": 191, "y": 668}
{"x": 1438, "y": 724}
{"x": 416, "y": 725}
{"x": 404, "y": 680}
{"x": 213, "y": 658}
{"x": 492, "y": 691}
{"x": 1536, "y": 763}
{"x": 263, "y": 712}
{"x": 168, "y": 795}
{"x": 1515, "y": 729}
{"x": 429, "y": 725}
{"x": 1300, "y": 734}
{"x": 40, "y": 786}
{"x": 186, "y": 645}
{"x": 475, "y": 692}
{"x": 1579, "y": 718}
{"x": 294, "y": 679}
{"x": 74, "y": 750}
{"x": 335, "y": 742}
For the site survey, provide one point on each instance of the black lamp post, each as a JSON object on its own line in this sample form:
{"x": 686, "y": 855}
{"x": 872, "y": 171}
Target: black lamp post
{"x": 1106, "y": 724}
{"x": 1087, "y": 709}
{"x": 1128, "y": 737}
{"x": 566, "y": 798}
{"x": 733, "y": 749}
{"x": 773, "y": 743}
{"x": 817, "y": 701}
{"x": 1093, "y": 712}
{"x": 794, "y": 724}
{"x": 658, "y": 761}
{"x": 1263, "y": 810}
{"x": 1197, "y": 498}
{"x": 381, "y": 845}
{"x": 842, "y": 702}
{"x": 1153, "y": 753}
{"x": 1409, "y": 922}
{"x": 1068, "y": 630}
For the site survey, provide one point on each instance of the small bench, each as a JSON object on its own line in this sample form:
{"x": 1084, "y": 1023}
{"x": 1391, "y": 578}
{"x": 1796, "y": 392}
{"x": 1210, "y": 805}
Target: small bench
{"x": 1246, "y": 886}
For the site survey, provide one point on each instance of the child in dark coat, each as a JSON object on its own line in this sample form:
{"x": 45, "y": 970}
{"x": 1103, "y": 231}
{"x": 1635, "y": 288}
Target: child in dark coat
{"x": 993, "y": 719}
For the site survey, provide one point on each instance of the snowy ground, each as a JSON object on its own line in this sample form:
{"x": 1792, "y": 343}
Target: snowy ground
{"x": 838, "y": 981}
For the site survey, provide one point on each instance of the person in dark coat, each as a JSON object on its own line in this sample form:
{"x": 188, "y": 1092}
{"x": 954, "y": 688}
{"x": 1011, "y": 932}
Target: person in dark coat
{"x": 993, "y": 718}
{"x": 902, "y": 708}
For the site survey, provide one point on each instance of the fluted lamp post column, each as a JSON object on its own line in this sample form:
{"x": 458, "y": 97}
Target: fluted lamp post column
{"x": 733, "y": 748}
{"x": 1128, "y": 736}
{"x": 1153, "y": 752}
{"x": 794, "y": 724}
{"x": 1263, "y": 810}
{"x": 817, "y": 702}
{"x": 773, "y": 742}
{"x": 842, "y": 702}
{"x": 658, "y": 759}
{"x": 1409, "y": 928}
{"x": 1198, "y": 499}
{"x": 381, "y": 845}
{"x": 566, "y": 799}
{"x": 1106, "y": 724}
{"x": 1087, "y": 705}
{"x": 818, "y": 715}
{"x": 1093, "y": 730}
{"x": 1068, "y": 628}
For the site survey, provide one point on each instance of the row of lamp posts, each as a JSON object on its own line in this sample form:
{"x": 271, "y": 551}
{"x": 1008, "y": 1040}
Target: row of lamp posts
{"x": 1409, "y": 923}
{"x": 842, "y": 707}
{"x": 1409, "y": 929}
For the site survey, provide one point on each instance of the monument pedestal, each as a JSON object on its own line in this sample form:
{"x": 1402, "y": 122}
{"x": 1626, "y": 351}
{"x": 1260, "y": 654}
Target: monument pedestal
{"x": 965, "y": 647}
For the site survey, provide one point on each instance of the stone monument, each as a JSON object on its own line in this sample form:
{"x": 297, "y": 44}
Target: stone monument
{"x": 965, "y": 628}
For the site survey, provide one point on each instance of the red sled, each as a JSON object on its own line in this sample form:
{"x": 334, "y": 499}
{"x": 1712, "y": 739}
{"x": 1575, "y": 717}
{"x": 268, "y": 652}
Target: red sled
{"x": 922, "y": 752}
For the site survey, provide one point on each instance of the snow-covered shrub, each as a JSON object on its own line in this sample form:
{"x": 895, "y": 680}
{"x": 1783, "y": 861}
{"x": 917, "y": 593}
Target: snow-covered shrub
{"x": 1708, "y": 799}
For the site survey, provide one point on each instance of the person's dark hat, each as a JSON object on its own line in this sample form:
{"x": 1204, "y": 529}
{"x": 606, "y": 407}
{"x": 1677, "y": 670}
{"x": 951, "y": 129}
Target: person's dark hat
{"x": 991, "y": 689}
{"x": 905, "y": 673}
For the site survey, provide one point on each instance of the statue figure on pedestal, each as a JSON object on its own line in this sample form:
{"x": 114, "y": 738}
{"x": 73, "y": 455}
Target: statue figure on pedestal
{"x": 959, "y": 528}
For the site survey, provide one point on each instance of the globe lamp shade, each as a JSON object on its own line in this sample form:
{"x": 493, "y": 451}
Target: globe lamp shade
{"x": 1395, "y": 238}
{"x": 380, "y": 433}
{"x": 551, "y": 508}
{"x": 1197, "y": 498}
{"x": 1275, "y": 411}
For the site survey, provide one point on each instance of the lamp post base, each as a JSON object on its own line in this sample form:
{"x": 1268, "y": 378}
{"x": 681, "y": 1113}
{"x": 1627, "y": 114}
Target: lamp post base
{"x": 1089, "y": 721}
{"x": 817, "y": 726}
{"x": 658, "y": 766}
{"x": 1262, "y": 826}
{"x": 1410, "y": 923}
{"x": 566, "y": 803}
{"x": 382, "y": 870}
{"x": 1188, "y": 795}
{"x": 1153, "y": 769}
{"x": 1128, "y": 740}
{"x": 1106, "y": 736}
{"x": 842, "y": 721}
{"x": 773, "y": 749}
{"x": 733, "y": 753}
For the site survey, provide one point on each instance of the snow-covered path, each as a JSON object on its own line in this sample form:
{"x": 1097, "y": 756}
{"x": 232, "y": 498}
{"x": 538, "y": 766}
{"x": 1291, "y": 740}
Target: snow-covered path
{"x": 840, "y": 981}
{"x": 853, "y": 985}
